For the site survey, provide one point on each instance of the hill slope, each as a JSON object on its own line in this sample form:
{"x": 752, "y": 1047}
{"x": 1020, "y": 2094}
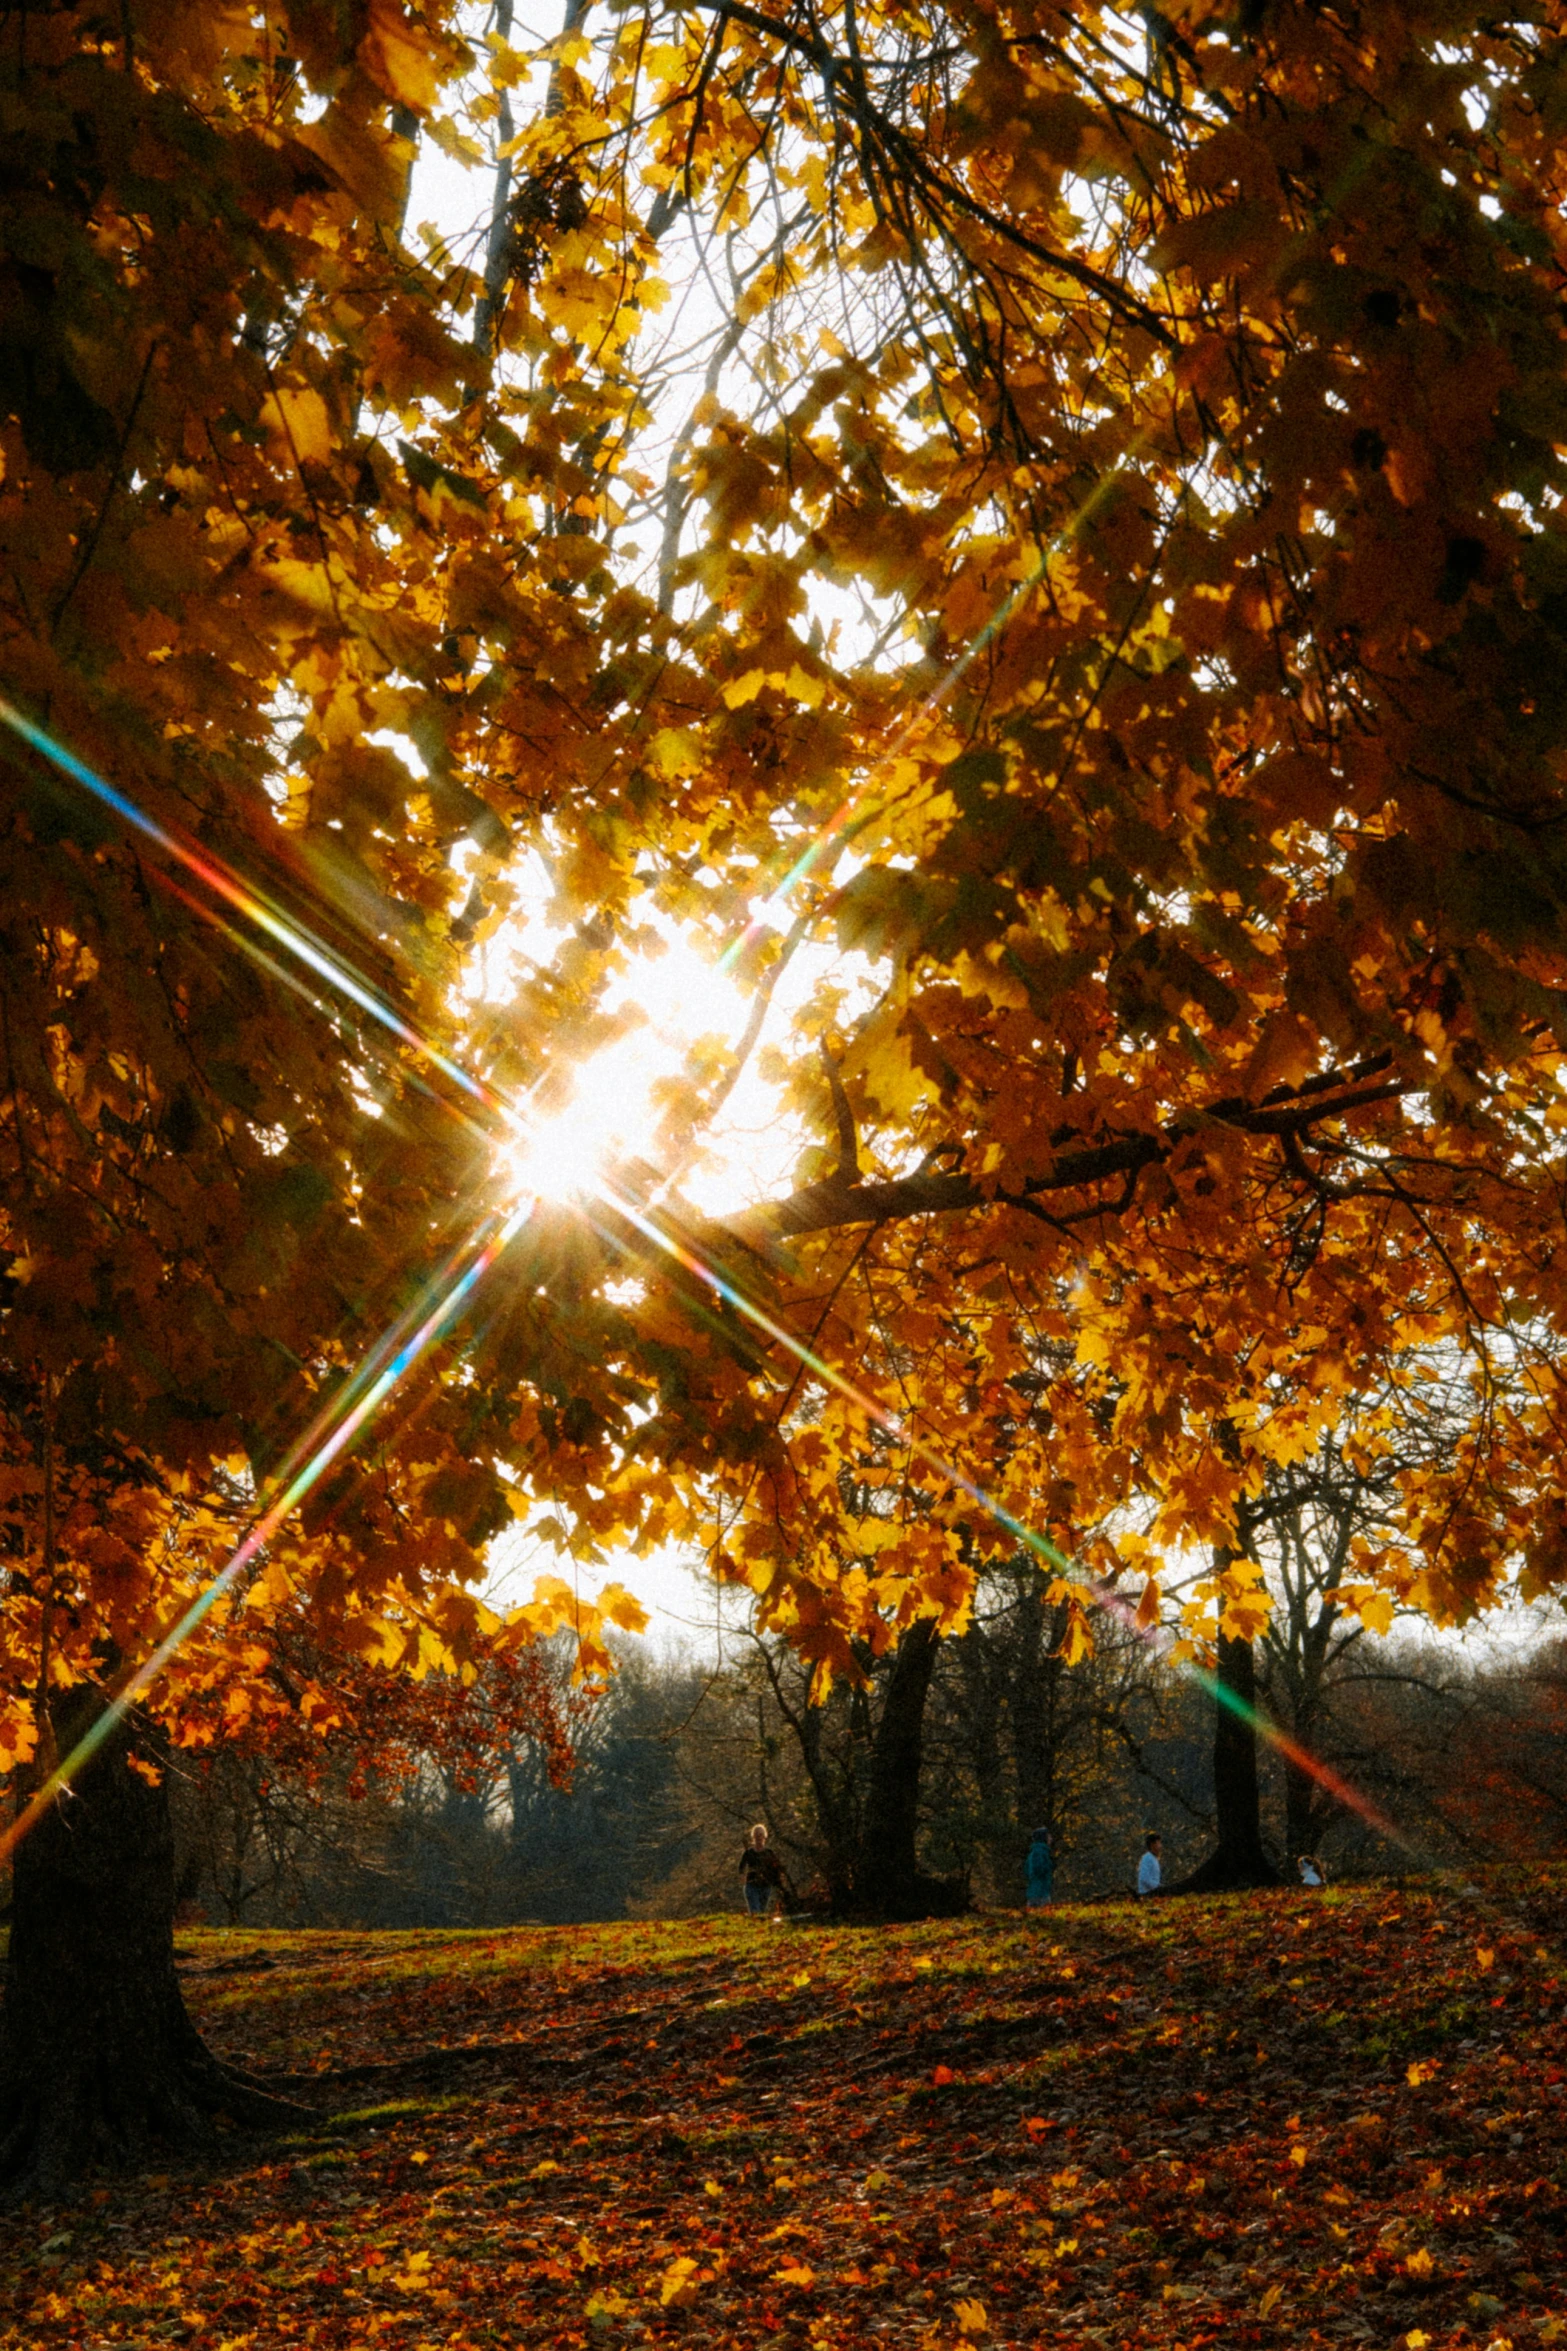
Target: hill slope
{"x": 1271, "y": 2119}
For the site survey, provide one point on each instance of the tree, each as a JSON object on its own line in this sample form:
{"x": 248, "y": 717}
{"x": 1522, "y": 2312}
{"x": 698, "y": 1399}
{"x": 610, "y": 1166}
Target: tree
{"x": 1213, "y": 961}
{"x": 222, "y": 579}
{"x": 862, "y": 1759}
{"x": 1184, "y": 409}
{"x": 1323, "y": 1544}
{"x": 1019, "y": 1739}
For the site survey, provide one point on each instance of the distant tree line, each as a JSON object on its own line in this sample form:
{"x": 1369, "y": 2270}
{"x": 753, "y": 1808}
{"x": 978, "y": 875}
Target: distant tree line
{"x": 916, "y": 1790}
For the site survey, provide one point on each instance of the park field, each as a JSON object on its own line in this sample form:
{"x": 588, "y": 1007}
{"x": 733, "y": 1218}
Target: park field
{"x": 1265, "y": 2119}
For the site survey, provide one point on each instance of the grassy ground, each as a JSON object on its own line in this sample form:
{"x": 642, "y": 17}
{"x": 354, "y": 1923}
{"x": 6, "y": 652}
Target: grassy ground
{"x": 1259, "y": 2120}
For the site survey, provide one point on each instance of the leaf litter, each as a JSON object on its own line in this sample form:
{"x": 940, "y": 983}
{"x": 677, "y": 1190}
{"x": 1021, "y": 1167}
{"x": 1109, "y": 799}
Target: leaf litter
{"x": 1262, "y": 2120}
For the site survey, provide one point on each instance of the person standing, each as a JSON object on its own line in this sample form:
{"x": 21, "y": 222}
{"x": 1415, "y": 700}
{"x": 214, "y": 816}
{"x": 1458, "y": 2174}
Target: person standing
{"x": 761, "y": 1873}
{"x": 1149, "y": 1871}
{"x": 1039, "y": 1872}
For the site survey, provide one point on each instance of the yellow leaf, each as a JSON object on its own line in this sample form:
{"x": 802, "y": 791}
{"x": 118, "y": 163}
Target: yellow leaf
{"x": 1374, "y": 1608}
{"x": 1485, "y": 1960}
{"x": 677, "y": 2287}
{"x": 1298, "y": 2155}
{"x": 674, "y": 752}
{"x": 1419, "y": 2264}
{"x": 622, "y": 1608}
{"x": 803, "y": 687}
{"x": 1245, "y": 1615}
{"x": 796, "y": 2275}
{"x": 299, "y": 417}
{"x": 972, "y": 2318}
{"x": 400, "y": 58}
{"x": 1078, "y": 1642}
{"x": 1269, "y": 2302}
{"x": 744, "y": 689}
{"x": 1423, "y": 2072}
{"x": 411, "y": 2278}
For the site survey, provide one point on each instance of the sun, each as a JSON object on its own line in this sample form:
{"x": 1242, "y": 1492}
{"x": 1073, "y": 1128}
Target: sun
{"x": 606, "y": 1111}
{"x": 608, "y": 1117}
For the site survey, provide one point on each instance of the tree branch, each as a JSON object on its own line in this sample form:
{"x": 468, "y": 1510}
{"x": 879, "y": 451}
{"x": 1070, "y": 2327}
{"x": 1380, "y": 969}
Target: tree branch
{"x": 837, "y": 1200}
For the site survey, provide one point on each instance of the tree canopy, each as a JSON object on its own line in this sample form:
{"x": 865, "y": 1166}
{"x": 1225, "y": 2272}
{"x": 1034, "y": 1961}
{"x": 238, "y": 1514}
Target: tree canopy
{"x": 1086, "y": 551}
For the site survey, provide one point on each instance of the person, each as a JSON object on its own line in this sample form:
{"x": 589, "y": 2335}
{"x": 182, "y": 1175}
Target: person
{"x": 761, "y": 1873}
{"x": 1148, "y": 1869}
{"x": 1039, "y": 1871}
{"x": 1311, "y": 1870}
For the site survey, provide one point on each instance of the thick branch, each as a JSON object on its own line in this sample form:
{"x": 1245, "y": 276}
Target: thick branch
{"x": 837, "y": 1200}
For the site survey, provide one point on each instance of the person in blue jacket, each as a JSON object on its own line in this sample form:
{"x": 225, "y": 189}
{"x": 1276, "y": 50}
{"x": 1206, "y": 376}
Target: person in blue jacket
{"x": 1039, "y": 1871}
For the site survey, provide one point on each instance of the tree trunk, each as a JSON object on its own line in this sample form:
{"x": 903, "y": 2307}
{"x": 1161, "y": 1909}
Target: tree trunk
{"x": 887, "y": 1877}
{"x": 98, "y": 2057}
{"x": 1239, "y": 1859}
{"x": 1301, "y": 1823}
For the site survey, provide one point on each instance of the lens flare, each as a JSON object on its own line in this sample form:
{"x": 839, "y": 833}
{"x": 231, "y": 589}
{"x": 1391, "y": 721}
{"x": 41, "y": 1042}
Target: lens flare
{"x": 1105, "y": 1595}
{"x": 568, "y": 1155}
{"x": 253, "y": 903}
{"x": 565, "y": 1155}
{"x": 329, "y": 1436}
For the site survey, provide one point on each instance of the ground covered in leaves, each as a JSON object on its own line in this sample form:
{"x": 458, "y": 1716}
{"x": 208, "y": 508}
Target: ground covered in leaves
{"x": 1264, "y": 2119}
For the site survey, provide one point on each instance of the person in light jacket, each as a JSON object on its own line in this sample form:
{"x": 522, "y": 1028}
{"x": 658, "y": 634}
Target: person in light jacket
{"x": 1149, "y": 1872}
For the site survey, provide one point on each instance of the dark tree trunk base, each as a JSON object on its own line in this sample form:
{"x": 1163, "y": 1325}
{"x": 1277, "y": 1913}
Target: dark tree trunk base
{"x": 99, "y": 2060}
{"x": 1239, "y": 1863}
{"x": 78, "y": 2118}
{"x": 884, "y": 1875}
{"x": 918, "y": 1897}
{"x": 1227, "y": 1873}
{"x": 921, "y": 1897}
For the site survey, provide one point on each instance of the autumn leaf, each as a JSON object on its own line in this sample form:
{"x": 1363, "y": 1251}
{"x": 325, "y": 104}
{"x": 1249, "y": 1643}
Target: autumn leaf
{"x": 300, "y": 419}
{"x": 677, "y": 2288}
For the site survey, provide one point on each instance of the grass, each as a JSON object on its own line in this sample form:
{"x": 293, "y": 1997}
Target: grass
{"x": 1255, "y": 2120}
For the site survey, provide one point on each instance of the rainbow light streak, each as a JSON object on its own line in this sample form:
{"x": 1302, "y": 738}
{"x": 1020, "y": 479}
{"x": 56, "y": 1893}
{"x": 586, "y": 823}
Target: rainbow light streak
{"x": 346, "y": 1414}
{"x": 1292, "y": 1750}
{"x": 275, "y": 970}
{"x": 1105, "y": 1594}
{"x": 257, "y": 908}
{"x": 329, "y": 1435}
